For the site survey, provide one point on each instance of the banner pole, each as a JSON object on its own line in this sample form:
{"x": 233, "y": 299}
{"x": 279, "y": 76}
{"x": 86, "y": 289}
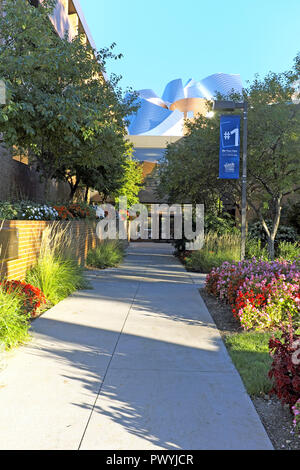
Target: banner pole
{"x": 244, "y": 184}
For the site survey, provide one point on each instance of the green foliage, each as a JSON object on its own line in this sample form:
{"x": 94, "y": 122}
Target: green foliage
{"x": 131, "y": 182}
{"x": 9, "y": 210}
{"x": 273, "y": 154}
{"x": 14, "y": 324}
{"x": 217, "y": 249}
{"x": 56, "y": 277}
{"x": 109, "y": 253}
{"x": 219, "y": 224}
{"x": 254, "y": 249}
{"x": 293, "y": 216}
{"x": 189, "y": 169}
{"x": 27, "y": 210}
{"x": 61, "y": 112}
{"x": 56, "y": 272}
{"x": 284, "y": 233}
{"x": 288, "y": 251}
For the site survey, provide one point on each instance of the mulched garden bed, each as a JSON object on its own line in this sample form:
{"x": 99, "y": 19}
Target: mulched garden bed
{"x": 276, "y": 418}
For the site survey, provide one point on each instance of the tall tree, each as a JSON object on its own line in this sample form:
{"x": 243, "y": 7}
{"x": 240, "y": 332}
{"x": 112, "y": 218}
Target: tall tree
{"x": 189, "y": 170}
{"x": 61, "y": 112}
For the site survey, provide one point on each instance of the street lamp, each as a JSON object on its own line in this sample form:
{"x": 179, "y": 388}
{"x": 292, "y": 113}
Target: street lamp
{"x": 220, "y": 105}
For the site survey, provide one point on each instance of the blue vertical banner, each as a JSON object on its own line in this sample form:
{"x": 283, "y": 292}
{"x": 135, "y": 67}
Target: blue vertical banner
{"x": 230, "y": 127}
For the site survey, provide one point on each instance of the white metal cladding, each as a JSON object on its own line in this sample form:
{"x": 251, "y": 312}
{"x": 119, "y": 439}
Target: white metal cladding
{"x": 164, "y": 116}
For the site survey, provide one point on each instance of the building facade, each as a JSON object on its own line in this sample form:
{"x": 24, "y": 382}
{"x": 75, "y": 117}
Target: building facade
{"x": 160, "y": 120}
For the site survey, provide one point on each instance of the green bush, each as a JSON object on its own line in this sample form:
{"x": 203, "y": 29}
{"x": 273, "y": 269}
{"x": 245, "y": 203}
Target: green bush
{"x": 284, "y": 233}
{"x": 14, "y": 323}
{"x": 288, "y": 251}
{"x": 217, "y": 249}
{"x": 9, "y": 211}
{"x": 293, "y": 216}
{"x": 219, "y": 224}
{"x": 254, "y": 249}
{"x": 109, "y": 253}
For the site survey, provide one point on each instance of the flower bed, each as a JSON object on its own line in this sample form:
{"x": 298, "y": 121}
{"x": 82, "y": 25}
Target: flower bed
{"x": 31, "y": 297}
{"x": 261, "y": 294}
{"x": 266, "y": 296}
{"x": 26, "y": 210}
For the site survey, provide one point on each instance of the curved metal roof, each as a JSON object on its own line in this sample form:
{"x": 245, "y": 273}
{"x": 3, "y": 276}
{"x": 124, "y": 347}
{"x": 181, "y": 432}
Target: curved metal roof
{"x": 165, "y": 116}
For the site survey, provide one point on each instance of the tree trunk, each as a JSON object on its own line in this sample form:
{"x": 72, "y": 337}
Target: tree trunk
{"x": 73, "y": 187}
{"x": 271, "y": 248}
{"x": 273, "y": 232}
{"x": 86, "y": 195}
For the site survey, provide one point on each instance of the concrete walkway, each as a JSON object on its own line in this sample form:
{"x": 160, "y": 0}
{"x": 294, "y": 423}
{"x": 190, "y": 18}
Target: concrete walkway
{"x": 137, "y": 363}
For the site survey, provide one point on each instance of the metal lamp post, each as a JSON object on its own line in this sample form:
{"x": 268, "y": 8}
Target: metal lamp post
{"x": 231, "y": 106}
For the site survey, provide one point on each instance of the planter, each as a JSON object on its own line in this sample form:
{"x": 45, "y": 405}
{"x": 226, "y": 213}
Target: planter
{"x": 20, "y": 242}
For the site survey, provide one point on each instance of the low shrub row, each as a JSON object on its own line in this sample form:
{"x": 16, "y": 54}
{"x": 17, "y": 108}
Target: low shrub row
{"x": 26, "y": 210}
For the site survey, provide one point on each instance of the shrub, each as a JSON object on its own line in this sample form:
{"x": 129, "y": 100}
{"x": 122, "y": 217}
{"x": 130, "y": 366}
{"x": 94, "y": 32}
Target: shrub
{"x": 14, "y": 324}
{"x": 284, "y": 233}
{"x": 254, "y": 249}
{"x": 56, "y": 273}
{"x": 9, "y": 211}
{"x": 285, "y": 369}
{"x": 109, "y": 253}
{"x": 293, "y": 216}
{"x": 26, "y": 210}
{"x": 32, "y": 298}
{"x": 213, "y": 224}
{"x": 217, "y": 249}
{"x": 289, "y": 251}
{"x": 219, "y": 224}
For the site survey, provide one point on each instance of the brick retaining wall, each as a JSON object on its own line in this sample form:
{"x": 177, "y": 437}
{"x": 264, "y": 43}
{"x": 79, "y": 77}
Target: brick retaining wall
{"x": 82, "y": 233}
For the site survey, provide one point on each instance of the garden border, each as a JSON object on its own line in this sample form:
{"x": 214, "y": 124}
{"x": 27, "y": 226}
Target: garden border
{"x": 82, "y": 232}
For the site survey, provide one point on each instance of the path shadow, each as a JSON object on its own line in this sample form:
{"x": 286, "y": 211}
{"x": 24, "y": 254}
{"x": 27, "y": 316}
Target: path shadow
{"x": 129, "y": 390}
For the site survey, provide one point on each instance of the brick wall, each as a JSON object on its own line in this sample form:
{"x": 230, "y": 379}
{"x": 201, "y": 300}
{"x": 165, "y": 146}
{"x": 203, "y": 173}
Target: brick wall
{"x": 19, "y": 181}
{"x": 82, "y": 234}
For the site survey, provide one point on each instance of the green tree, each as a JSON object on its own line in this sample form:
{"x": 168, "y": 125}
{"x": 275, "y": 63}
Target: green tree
{"x": 273, "y": 146}
{"x": 132, "y": 180}
{"x": 189, "y": 171}
{"x": 61, "y": 112}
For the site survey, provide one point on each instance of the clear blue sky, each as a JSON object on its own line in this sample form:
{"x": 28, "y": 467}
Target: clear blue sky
{"x": 166, "y": 39}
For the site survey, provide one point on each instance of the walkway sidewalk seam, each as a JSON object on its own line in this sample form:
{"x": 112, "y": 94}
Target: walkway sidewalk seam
{"x": 108, "y": 366}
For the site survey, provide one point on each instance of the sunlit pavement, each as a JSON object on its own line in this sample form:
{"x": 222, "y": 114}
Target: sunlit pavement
{"x": 136, "y": 363}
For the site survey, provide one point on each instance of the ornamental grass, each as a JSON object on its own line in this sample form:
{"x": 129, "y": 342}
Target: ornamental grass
{"x": 56, "y": 273}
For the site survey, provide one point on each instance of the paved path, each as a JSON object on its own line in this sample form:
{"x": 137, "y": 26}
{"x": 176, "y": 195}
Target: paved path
{"x": 137, "y": 363}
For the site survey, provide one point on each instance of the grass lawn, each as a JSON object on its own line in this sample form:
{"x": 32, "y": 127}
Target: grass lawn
{"x": 249, "y": 352}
